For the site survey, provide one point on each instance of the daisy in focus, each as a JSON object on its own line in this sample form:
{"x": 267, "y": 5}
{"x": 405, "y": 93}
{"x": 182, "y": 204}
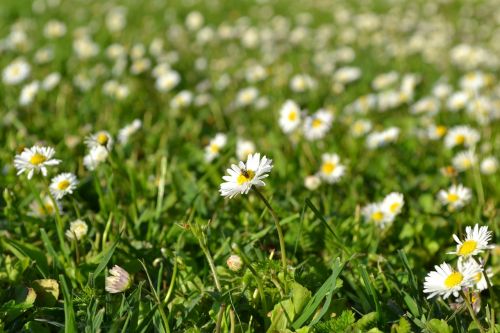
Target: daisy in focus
{"x": 244, "y": 176}
{"x": 455, "y": 197}
{"x": 476, "y": 241}
{"x": 63, "y": 184}
{"x": 35, "y": 159}
{"x": 444, "y": 280}
{"x": 118, "y": 281}
{"x": 331, "y": 169}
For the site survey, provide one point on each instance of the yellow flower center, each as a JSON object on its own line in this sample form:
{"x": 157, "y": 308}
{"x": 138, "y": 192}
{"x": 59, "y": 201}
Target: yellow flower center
{"x": 459, "y": 139}
{"x": 440, "y": 131}
{"x": 467, "y": 247}
{"x": 328, "y": 167}
{"x": 292, "y": 116}
{"x": 63, "y": 184}
{"x": 214, "y": 148}
{"x": 478, "y": 277}
{"x": 452, "y": 197}
{"x": 245, "y": 176}
{"x": 394, "y": 207}
{"x": 37, "y": 159}
{"x": 316, "y": 123}
{"x": 453, "y": 279}
{"x": 377, "y": 216}
{"x": 102, "y": 139}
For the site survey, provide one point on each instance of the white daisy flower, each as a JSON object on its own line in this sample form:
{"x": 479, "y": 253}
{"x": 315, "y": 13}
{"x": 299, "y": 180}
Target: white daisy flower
{"x": 302, "y": 82}
{"x": 455, "y": 197}
{"x": 35, "y": 159}
{"x": 457, "y": 101}
{"x": 345, "y": 75}
{"x": 244, "y": 148}
{"x": 77, "y": 230}
{"x": 47, "y": 207}
{"x": 376, "y": 214}
{"x": 476, "y": 241}
{"x": 99, "y": 139}
{"x": 289, "y": 116}
{"x": 393, "y": 203}
{"x": 312, "y": 182}
{"x": 181, "y": 100}
{"x": 316, "y": 126}
{"x": 464, "y": 160}
{"x": 212, "y": 150}
{"x": 51, "y": 81}
{"x": 247, "y": 96}
{"x": 167, "y": 81}
{"x": 360, "y": 127}
{"x": 242, "y": 177}
{"x": 127, "y": 131}
{"x": 445, "y": 281}
{"x": 118, "y": 281}
{"x": 436, "y": 132}
{"x": 331, "y": 169}
{"x": 461, "y": 135}
{"x": 96, "y": 156}
{"x": 489, "y": 165}
{"x": 16, "y": 72}
{"x": 63, "y": 184}
{"x": 28, "y": 93}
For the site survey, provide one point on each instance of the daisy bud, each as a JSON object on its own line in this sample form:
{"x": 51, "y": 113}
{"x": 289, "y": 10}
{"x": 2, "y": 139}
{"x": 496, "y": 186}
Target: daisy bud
{"x": 234, "y": 263}
{"x": 77, "y": 230}
{"x": 312, "y": 182}
{"x": 119, "y": 281}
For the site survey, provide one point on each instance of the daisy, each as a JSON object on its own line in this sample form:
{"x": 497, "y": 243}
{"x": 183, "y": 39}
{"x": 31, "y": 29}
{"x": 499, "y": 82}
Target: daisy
{"x": 242, "y": 177}
{"x": 376, "y": 214}
{"x": 457, "y": 101}
{"x": 302, "y": 82}
{"x": 345, "y": 75}
{"x": 435, "y": 132}
{"x": 118, "y": 281}
{"x": 316, "y": 126}
{"x": 445, "y": 281}
{"x": 96, "y": 156}
{"x": 127, "y": 131}
{"x": 476, "y": 241}
{"x": 100, "y": 139}
{"x": 331, "y": 170}
{"x": 461, "y": 135}
{"x": 63, "y": 184}
{"x": 489, "y": 165}
{"x": 393, "y": 203}
{"x": 167, "y": 81}
{"x": 464, "y": 160}
{"x": 16, "y": 72}
{"x": 244, "y": 148}
{"x": 181, "y": 100}
{"x": 35, "y": 159}
{"x": 312, "y": 182}
{"x": 455, "y": 197}
{"x": 47, "y": 207}
{"x": 360, "y": 127}
{"x": 28, "y": 93}
{"x": 247, "y": 96}
{"x": 289, "y": 116}
{"x": 77, "y": 230}
{"x": 212, "y": 150}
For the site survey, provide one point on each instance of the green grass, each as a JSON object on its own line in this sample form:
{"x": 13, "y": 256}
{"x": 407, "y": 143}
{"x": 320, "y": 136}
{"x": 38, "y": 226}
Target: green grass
{"x": 154, "y": 206}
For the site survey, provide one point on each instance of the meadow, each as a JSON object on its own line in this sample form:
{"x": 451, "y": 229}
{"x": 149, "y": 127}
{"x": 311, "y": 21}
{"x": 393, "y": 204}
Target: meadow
{"x": 249, "y": 166}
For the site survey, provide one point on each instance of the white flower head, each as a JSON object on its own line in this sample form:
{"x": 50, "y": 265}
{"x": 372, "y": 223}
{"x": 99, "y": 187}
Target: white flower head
{"x": 376, "y": 214}
{"x": 118, "y": 281}
{"x": 16, "y": 72}
{"x": 289, "y": 116}
{"x": 316, "y": 126}
{"x": 212, "y": 150}
{"x": 96, "y": 156}
{"x": 234, "y": 262}
{"x": 464, "y": 160}
{"x": 476, "y": 241}
{"x": 312, "y": 182}
{"x": 455, "y": 197}
{"x": 489, "y": 165}
{"x": 45, "y": 208}
{"x": 461, "y": 135}
{"x": 35, "y": 159}
{"x": 444, "y": 280}
{"x": 62, "y": 184}
{"x": 393, "y": 203}
{"x": 77, "y": 230}
{"x": 127, "y": 131}
{"x": 244, "y": 148}
{"x": 244, "y": 176}
{"x": 28, "y": 93}
{"x": 99, "y": 139}
{"x": 331, "y": 169}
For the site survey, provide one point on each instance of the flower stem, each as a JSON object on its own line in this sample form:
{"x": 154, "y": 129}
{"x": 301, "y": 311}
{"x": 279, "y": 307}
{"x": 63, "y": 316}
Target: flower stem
{"x": 471, "y": 311}
{"x": 278, "y": 228}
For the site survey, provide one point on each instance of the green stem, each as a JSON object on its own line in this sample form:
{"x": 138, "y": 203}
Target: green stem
{"x": 158, "y": 301}
{"x": 172, "y": 283}
{"x": 479, "y": 184}
{"x": 278, "y": 228}
{"x": 472, "y": 312}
